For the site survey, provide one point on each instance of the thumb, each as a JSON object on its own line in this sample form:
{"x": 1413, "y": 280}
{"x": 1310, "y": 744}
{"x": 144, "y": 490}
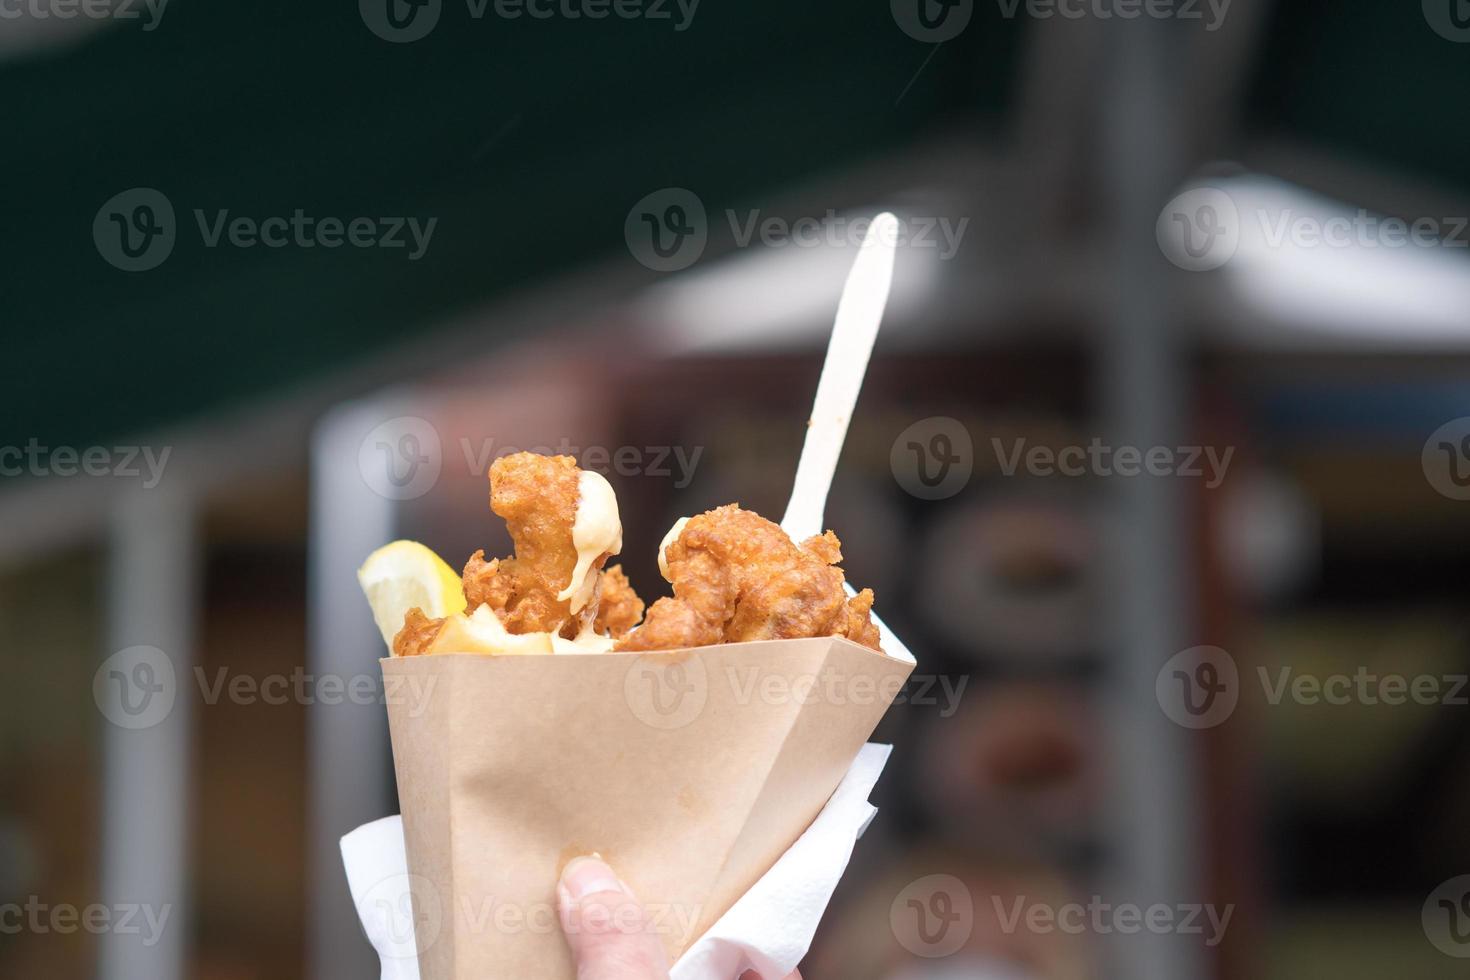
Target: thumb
{"x": 606, "y": 927}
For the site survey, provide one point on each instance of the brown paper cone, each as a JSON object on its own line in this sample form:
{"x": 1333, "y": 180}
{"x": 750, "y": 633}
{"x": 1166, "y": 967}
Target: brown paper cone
{"x": 691, "y": 772}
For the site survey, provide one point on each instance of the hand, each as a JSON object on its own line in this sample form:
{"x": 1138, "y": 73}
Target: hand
{"x": 607, "y": 928}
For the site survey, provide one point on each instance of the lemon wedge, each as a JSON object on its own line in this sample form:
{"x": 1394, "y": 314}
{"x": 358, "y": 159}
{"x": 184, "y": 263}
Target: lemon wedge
{"x": 482, "y": 632}
{"x": 399, "y": 576}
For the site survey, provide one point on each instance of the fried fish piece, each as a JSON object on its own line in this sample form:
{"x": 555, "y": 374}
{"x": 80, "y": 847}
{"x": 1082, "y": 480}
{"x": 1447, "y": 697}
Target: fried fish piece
{"x": 418, "y": 633}
{"x": 538, "y": 497}
{"x": 860, "y": 627}
{"x": 618, "y": 607}
{"x": 739, "y": 577}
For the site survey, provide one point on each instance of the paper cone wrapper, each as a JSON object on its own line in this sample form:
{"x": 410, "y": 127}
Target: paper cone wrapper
{"x": 691, "y": 772}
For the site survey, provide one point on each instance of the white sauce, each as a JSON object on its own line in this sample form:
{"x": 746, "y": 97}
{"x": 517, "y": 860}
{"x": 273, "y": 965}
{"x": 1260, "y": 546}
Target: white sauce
{"x": 663, "y": 548}
{"x": 482, "y": 632}
{"x": 596, "y": 530}
{"x": 587, "y": 641}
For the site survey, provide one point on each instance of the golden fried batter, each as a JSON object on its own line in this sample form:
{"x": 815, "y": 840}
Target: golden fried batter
{"x": 738, "y": 576}
{"x": 618, "y": 608}
{"x": 824, "y": 546}
{"x": 860, "y": 627}
{"x": 537, "y": 498}
{"x": 418, "y": 632}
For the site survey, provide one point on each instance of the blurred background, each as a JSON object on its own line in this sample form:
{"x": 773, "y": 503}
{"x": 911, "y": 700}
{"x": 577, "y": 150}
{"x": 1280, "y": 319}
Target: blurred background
{"x": 1162, "y": 466}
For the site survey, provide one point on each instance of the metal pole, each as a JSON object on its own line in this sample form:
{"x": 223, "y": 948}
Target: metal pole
{"x": 349, "y": 760}
{"x": 142, "y": 692}
{"x": 1154, "y": 812}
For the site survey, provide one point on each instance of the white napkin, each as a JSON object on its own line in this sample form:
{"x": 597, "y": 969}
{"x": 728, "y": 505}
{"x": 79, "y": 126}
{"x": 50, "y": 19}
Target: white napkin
{"x": 768, "y": 930}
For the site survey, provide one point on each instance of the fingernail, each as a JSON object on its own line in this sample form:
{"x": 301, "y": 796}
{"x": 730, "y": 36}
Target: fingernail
{"x": 589, "y": 876}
